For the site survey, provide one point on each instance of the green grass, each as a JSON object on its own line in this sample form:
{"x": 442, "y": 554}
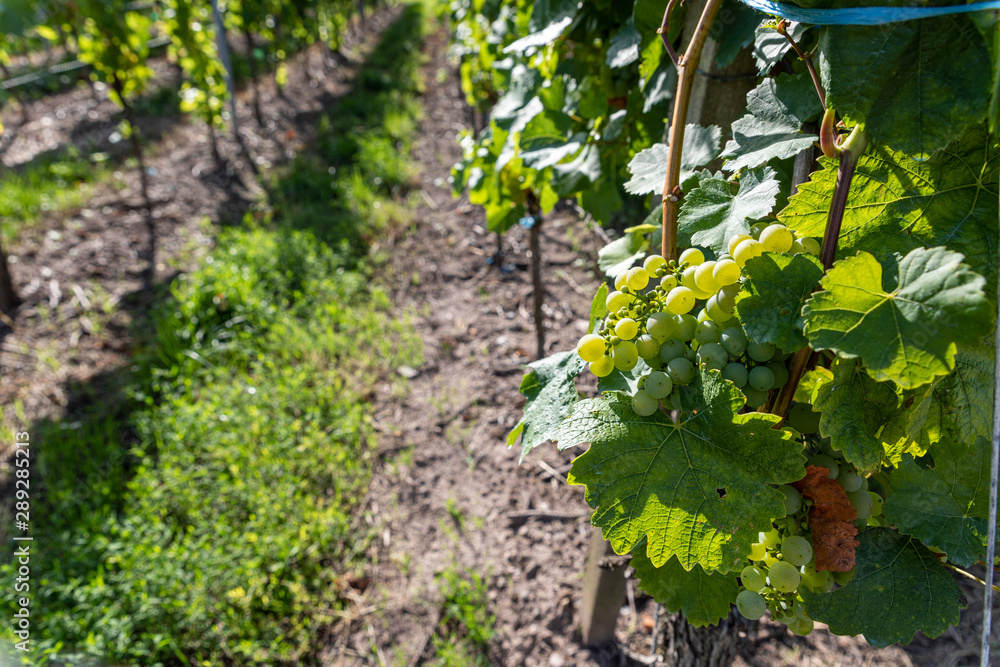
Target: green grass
{"x": 201, "y": 505}
{"x": 466, "y": 626}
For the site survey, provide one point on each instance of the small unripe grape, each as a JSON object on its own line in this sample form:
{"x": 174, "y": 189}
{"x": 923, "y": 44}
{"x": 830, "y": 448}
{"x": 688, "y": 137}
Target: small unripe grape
{"x": 660, "y": 326}
{"x": 746, "y": 251}
{"x": 827, "y": 462}
{"x": 680, "y": 370}
{"x": 626, "y": 355}
{"x": 692, "y": 257}
{"x": 850, "y": 480}
{"x": 658, "y": 384}
{"x": 796, "y": 549}
{"x": 760, "y": 351}
{"x": 627, "y": 328}
{"x": 647, "y": 346}
{"x": 751, "y": 605}
{"x": 671, "y": 349}
{"x": 704, "y": 277}
{"x": 684, "y": 326}
{"x": 735, "y": 373}
{"x": 603, "y": 366}
{"x": 784, "y": 577}
{"x": 707, "y": 332}
{"x": 637, "y": 278}
{"x": 643, "y": 404}
{"x": 793, "y": 499}
{"x": 780, "y": 373}
{"x": 753, "y": 578}
{"x": 755, "y": 398}
{"x": 617, "y": 301}
{"x": 862, "y": 502}
{"x": 591, "y": 347}
{"x": 668, "y": 282}
{"x": 734, "y": 341}
{"x": 761, "y": 378}
{"x": 735, "y": 241}
{"x": 652, "y": 263}
{"x": 713, "y": 356}
{"x": 776, "y": 238}
{"x": 680, "y": 300}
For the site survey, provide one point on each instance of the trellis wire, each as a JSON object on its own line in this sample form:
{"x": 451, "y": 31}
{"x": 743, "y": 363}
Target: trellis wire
{"x": 991, "y": 542}
{"x": 863, "y": 15}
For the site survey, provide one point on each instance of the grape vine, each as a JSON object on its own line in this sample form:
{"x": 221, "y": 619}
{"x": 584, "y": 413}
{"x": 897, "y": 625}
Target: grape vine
{"x": 795, "y": 393}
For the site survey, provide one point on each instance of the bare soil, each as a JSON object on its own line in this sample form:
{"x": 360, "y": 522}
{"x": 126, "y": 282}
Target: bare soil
{"x": 462, "y": 501}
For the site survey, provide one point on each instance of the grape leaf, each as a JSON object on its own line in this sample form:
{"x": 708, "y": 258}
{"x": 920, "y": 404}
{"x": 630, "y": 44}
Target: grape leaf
{"x": 945, "y": 506}
{"x": 770, "y": 46}
{"x": 900, "y": 589}
{"x": 546, "y": 35}
{"x": 624, "y": 47}
{"x": 775, "y": 288}
{"x": 544, "y": 143}
{"x": 772, "y": 129}
{"x": 734, "y": 27}
{"x": 578, "y": 173}
{"x": 649, "y": 166}
{"x": 711, "y": 214}
{"x": 916, "y": 85}
{"x": 548, "y": 385}
{"x": 509, "y": 109}
{"x": 624, "y": 381}
{"x": 896, "y": 204}
{"x": 698, "y": 488}
{"x": 598, "y": 307}
{"x": 831, "y": 520}
{"x": 906, "y": 330}
{"x": 619, "y": 255}
{"x": 703, "y": 597}
{"x": 854, "y": 409}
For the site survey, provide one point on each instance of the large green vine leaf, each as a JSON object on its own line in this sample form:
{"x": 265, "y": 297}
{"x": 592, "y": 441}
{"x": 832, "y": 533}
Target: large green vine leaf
{"x": 773, "y": 128}
{"x": 697, "y": 489}
{"x": 774, "y": 291}
{"x": 711, "y": 213}
{"x": 916, "y": 85}
{"x": 770, "y": 46}
{"x": 705, "y": 598}
{"x": 855, "y": 408}
{"x": 904, "y": 327}
{"x": 649, "y": 166}
{"x": 900, "y": 589}
{"x": 945, "y": 506}
{"x": 896, "y": 204}
{"x": 548, "y": 385}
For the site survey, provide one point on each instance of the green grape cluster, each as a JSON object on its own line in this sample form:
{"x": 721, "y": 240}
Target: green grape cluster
{"x": 679, "y": 315}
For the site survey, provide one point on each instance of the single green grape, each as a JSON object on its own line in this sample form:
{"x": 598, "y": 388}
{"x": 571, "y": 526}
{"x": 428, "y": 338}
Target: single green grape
{"x": 668, "y": 282}
{"x": 793, "y": 499}
{"x": 755, "y": 398}
{"x": 679, "y": 300}
{"x": 760, "y": 351}
{"x": 734, "y": 341}
{"x": 617, "y": 301}
{"x": 714, "y": 311}
{"x": 877, "y": 503}
{"x": 713, "y": 356}
{"x": 684, "y": 326}
{"x": 621, "y": 280}
{"x": 627, "y": 328}
{"x": 672, "y": 349}
{"x": 751, "y": 605}
{"x": 704, "y": 277}
{"x": 707, "y": 332}
{"x": 692, "y": 257}
{"x": 809, "y": 245}
{"x": 603, "y": 366}
{"x": 817, "y": 582}
{"x": 736, "y": 373}
{"x": 681, "y": 371}
{"x": 687, "y": 278}
{"x": 862, "y": 502}
{"x": 784, "y": 577}
{"x": 776, "y": 238}
{"x": 591, "y": 347}
{"x": 761, "y": 378}
{"x": 801, "y": 626}
{"x": 626, "y": 355}
{"x": 647, "y": 346}
{"x": 726, "y": 272}
{"x": 850, "y": 480}
{"x": 802, "y": 418}
{"x": 660, "y": 326}
{"x": 827, "y": 462}
{"x": 735, "y": 241}
{"x": 637, "y": 279}
{"x": 844, "y": 578}
{"x": 658, "y": 384}
{"x": 643, "y": 404}
{"x": 727, "y": 297}
{"x": 652, "y": 263}
{"x": 753, "y": 578}
{"x": 796, "y": 549}
{"x": 746, "y": 251}
{"x": 780, "y": 373}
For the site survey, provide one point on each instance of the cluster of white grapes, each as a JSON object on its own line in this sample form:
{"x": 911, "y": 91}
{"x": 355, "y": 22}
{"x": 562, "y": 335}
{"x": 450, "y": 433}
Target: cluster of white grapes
{"x": 676, "y": 315}
{"x": 782, "y": 560}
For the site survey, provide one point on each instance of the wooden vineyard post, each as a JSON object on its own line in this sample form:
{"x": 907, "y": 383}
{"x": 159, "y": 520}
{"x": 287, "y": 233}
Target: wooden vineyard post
{"x": 603, "y": 591}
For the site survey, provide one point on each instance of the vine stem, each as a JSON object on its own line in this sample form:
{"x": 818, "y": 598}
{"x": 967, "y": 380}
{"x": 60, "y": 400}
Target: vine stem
{"x": 782, "y": 29}
{"x": 687, "y": 69}
{"x": 991, "y": 540}
{"x": 850, "y": 152}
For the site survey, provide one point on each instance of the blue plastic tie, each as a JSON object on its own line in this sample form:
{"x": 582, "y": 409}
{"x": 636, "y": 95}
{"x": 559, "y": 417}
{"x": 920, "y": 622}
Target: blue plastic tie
{"x": 864, "y": 15}
{"x": 527, "y": 221}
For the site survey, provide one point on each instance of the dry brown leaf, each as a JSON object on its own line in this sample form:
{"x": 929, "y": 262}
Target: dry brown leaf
{"x": 831, "y": 519}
